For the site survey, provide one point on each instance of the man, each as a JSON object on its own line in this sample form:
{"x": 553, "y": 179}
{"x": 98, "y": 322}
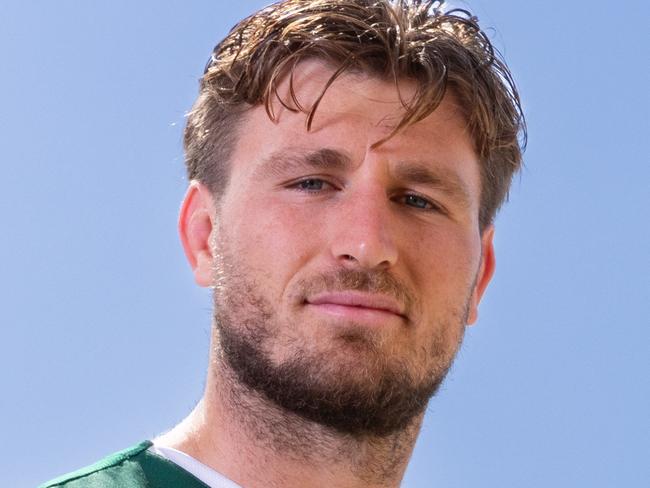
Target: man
{"x": 346, "y": 161}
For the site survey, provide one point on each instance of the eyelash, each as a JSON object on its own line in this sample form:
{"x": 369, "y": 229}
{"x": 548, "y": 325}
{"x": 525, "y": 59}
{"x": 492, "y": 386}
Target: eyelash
{"x": 429, "y": 206}
{"x": 297, "y": 185}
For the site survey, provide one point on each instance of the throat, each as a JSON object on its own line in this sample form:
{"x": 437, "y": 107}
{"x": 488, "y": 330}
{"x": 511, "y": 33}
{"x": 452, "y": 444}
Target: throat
{"x": 297, "y": 451}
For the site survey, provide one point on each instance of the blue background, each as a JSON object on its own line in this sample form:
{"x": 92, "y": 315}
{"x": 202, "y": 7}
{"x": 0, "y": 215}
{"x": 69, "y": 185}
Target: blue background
{"x": 104, "y": 336}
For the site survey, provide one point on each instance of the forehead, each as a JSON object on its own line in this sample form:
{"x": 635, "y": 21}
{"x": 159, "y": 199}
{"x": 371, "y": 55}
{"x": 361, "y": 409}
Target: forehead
{"x": 355, "y": 112}
{"x": 352, "y": 93}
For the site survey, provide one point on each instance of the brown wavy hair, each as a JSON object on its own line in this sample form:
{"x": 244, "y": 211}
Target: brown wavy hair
{"x": 390, "y": 39}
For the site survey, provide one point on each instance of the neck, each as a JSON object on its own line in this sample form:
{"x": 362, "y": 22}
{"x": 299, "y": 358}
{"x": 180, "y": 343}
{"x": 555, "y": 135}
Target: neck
{"x": 257, "y": 444}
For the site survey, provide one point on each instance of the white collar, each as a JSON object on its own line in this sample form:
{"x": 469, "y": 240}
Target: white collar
{"x": 209, "y": 476}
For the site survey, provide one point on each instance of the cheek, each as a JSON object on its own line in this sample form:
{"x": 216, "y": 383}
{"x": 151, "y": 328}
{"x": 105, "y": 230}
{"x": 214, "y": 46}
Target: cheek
{"x": 444, "y": 263}
{"x": 273, "y": 241}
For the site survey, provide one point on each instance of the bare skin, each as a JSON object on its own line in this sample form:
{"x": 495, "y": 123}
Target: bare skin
{"x": 246, "y": 451}
{"x": 279, "y": 225}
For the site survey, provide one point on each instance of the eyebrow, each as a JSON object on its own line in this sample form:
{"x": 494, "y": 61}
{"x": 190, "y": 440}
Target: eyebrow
{"x": 446, "y": 180}
{"x": 286, "y": 160}
{"x": 443, "y": 179}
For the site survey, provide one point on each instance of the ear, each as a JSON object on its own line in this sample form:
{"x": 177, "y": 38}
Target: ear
{"x": 196, "y": 225}
{"x": 485, "y": 273}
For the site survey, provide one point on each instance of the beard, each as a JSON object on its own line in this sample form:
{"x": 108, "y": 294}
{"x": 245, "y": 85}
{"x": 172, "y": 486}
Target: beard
{"x": 351, "y": 383}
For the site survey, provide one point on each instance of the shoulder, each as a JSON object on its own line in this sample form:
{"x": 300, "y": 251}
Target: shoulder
{"x": 122, "y": 469}
{"x": 135, "y": 467}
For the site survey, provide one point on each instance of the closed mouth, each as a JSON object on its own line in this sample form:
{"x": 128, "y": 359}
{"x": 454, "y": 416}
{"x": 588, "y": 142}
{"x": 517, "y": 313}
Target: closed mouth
{"x": 349, "y": 300}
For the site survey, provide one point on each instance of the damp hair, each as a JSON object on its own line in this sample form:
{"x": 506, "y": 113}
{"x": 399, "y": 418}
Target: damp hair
{"x": 442, "y": 50}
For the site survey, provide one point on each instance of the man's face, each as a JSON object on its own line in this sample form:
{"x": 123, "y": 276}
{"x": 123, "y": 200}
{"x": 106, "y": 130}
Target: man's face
{"x": 344, "y": 274}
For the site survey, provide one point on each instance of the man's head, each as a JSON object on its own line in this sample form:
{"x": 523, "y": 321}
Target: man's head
{"x": 391, "y": 40}
{"x": 338, "y": 205}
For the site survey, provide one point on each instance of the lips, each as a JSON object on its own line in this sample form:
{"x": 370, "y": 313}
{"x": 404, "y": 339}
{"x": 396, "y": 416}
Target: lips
{"x": 351, "y": 301}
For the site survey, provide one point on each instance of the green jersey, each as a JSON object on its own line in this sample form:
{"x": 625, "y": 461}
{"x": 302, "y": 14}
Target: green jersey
{"x": 135, "y": 467}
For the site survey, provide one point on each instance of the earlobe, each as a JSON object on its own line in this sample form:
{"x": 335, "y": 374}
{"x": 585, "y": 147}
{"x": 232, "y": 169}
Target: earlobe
{"x": 485, "y": 273}
{"x": 195, "y": 226}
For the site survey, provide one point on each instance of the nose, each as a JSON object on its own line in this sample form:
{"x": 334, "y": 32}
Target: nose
{"x": 363, "y": 234}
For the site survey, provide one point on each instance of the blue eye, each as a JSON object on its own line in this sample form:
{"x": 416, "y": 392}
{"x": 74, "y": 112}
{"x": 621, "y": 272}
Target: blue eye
{"x": 418, "y": 202}
{"x": 310, "y": 184}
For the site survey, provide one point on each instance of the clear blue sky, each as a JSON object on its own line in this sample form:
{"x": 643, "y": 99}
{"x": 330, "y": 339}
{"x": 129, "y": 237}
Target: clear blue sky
{"x": 105, "y": 336}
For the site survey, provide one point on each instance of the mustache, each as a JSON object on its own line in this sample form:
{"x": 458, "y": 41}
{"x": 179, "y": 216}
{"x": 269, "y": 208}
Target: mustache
{"x": 377, "y": 281}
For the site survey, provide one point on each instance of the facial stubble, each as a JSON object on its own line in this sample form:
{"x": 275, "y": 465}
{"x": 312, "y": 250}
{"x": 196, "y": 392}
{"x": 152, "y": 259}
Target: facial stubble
{"x": 381, "y": 397}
